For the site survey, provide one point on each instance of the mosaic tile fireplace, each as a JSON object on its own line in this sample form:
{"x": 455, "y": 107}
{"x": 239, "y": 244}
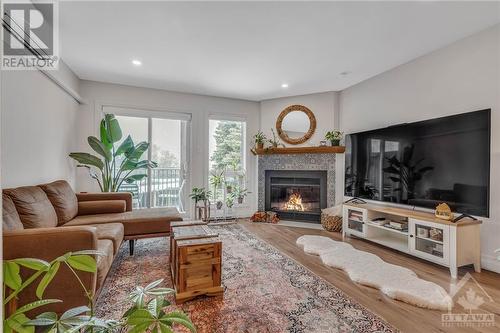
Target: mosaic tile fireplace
{"x": 297, "y": 186}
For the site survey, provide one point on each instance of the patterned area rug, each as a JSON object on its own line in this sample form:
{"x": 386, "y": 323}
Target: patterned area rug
{"x": 264, "y": 290}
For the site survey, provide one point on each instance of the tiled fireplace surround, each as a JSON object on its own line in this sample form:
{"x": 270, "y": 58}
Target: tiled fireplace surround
{"x": 324, "y": 162}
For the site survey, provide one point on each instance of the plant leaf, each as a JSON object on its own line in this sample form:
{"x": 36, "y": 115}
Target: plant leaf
{"x": 74, "y": 312}
{"x": 140, "y": 316}
{"x": 99, "y": 147}
{"x": 135, "y": 178}
{"x": 18, "y": 322}
{"x": 178, "y": 318}
{"x": 83, "y": 262}
{"x": 47, "y": 278}
{"x": 139, "y": 328}
{"x": 114, "y": 132}
{"x": 138, "y": 150}
{"x": 88, "y": 159}
{"x": 36, "y": 304}
{"x": 164, "y": 328}
{"x": 126, "y": 146}
{"x": 32, "y": 263}
{"x": 11, "y": 276}
{"x": 104, "y": 135}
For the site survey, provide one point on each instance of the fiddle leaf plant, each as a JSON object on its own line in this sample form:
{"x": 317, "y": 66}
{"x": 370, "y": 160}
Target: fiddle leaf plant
{"x": 146, "y": 314}
{"x": 114, "y": 164}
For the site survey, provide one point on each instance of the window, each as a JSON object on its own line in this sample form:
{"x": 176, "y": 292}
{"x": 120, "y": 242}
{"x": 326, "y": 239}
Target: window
{"x": 226, "y": 156}
{"x": 167, "y": 137}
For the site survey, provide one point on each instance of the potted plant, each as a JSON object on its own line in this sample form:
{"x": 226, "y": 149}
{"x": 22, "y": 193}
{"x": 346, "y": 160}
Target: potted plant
{"x": 115, "y": 164}
{"x": 240, "y": 193}
{"x": 275, "y": 141}
{"x": 334, "y": 137}
{"x": 259, "y": 138}
{"x": 147, "y": 313}
{"x": 200, "y": 194}
{"x": 217, "y": 179}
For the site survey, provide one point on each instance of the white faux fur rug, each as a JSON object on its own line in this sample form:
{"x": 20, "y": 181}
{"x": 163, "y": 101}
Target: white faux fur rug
{"x": 368, "y": 269}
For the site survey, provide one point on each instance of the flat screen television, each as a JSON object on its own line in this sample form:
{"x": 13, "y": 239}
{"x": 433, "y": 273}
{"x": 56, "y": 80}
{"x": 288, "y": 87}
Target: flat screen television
{"x": 424, "y": 163}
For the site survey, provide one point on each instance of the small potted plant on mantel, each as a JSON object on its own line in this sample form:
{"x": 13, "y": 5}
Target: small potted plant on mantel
{"x": 259, "y": 138}
{"x": 334, "y": 137}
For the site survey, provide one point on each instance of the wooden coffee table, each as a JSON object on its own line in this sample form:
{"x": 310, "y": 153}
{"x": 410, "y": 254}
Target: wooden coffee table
{"x": 195, "y": 262}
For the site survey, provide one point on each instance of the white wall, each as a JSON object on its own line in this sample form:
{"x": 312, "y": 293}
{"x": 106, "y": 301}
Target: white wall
{"x": 38, "y": 123}
{"x": 459, "y": 78}
{"x": 200, "y": 107}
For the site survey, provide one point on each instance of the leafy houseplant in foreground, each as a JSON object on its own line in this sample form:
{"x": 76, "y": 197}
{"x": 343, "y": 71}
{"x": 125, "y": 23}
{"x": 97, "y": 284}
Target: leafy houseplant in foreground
{"x": 147, "y": 312}
{"x": 114, "y": 164}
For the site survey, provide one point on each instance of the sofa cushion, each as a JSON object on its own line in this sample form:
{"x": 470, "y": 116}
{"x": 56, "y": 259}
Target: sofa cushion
{"x": 33, "y": 206}
{"x": 137, "y": 222}
{"x": 10, "y": 217}
{"x": 63, "y": 199}
{"x": 101, "y": 207}
{"x": 111, "y": 231}
{"x": 104, "y": 262}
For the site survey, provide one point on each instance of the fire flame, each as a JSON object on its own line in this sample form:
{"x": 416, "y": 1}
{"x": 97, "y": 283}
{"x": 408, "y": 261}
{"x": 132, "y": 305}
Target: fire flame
{"x": 294, "y": 202}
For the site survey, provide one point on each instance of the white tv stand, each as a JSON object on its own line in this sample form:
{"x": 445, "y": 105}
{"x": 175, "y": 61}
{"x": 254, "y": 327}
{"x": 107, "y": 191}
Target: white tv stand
{"x": 442, "y": 242}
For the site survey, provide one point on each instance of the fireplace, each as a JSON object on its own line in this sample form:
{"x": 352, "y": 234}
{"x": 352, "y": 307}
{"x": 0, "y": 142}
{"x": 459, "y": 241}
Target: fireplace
{"x": 296, "y": 195}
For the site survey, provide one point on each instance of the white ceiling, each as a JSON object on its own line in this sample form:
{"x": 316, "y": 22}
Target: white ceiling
{"x": 247, "y": 50}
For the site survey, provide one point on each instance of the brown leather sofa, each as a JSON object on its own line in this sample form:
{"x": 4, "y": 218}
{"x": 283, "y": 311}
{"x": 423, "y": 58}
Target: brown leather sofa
{"x": 48, "y": 220}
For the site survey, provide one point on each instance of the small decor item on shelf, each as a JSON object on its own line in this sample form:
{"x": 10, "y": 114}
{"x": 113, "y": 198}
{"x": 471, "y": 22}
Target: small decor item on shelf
{"x": 259, "y": 138}
{"x": 331, "y": 218}
{"x": 322, "y": 143}
{"x": 240, "y": 194}
{"x": 422, "y": 232}
{"x": 436, "y": 234}
{"x": 334, "y": 137}
{"x": 443, "y": 211}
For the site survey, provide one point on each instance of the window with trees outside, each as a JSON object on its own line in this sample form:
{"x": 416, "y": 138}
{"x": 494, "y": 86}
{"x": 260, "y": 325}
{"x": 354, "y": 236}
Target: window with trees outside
{"x": 226, "y": 157}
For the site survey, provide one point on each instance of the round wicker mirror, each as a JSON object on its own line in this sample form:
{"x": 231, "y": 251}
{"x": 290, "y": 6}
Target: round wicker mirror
{"x": 296, "y": 124}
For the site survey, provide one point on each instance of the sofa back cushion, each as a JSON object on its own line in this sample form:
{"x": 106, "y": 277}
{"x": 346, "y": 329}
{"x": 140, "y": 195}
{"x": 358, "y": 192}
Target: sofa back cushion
{"x": 33, "y": 206}
{"x": 10, "y": 217}
{"x": 63, "y": 199}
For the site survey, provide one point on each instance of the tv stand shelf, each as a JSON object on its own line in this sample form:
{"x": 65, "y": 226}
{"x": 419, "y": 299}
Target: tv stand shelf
{"x": 443, "y": 242}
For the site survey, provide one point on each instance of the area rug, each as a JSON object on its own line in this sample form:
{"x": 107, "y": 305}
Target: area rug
{"x": 264, "y": 290}
{"x": 368, "y": 269}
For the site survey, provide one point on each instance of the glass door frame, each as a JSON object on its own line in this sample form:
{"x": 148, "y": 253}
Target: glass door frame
{"x": 149, "y": 114}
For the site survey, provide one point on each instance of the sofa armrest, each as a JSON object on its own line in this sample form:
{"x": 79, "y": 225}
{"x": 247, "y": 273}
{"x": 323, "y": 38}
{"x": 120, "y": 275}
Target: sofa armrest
{"x": 101, "y": 207}
{"x": 48, "y": 244}
{"x": 125, "y": 196}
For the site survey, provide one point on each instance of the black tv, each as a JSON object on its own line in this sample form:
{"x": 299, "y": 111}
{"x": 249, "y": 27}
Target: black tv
{"x": 424, "y": 163}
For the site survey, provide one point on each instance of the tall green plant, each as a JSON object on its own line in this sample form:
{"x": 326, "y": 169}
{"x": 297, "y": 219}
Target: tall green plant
{"x": 115, "y": 165}
{"x": 147, "y": 313}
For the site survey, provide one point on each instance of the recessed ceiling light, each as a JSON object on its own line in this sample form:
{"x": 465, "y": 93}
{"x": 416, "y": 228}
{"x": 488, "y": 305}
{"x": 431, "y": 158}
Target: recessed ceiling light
{"x": 284, "y": 85}
{"x": 136, "y": 62}
{"x": 345, "y": 73}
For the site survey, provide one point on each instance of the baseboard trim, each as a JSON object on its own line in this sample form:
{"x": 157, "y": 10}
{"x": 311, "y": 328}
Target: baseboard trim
{"x": 490, "y": 263}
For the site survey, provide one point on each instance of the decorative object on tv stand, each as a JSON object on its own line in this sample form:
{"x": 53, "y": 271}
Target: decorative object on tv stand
{"x": 200, "y": 194}
{"x": 443, "y": 211}
{"x": 334, "y": 137}
{"x": 117, "y": 165}
{"x": 260, "y": 139}
{"x": 296, "y": 124}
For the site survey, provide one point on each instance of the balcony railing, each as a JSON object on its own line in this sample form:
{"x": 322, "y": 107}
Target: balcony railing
{"x": 165, "y": 188}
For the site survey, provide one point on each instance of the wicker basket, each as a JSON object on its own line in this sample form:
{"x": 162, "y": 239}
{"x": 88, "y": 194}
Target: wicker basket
{"x": 331, "y": 222}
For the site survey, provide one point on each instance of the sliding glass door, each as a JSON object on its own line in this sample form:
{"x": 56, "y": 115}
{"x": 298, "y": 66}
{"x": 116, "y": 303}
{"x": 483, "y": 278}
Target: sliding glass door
{"x": 167, "y": 135}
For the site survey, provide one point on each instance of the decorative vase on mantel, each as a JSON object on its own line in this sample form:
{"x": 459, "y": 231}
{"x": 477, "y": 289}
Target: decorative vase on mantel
{"x": 259, "y": 145}
{"x": 335, "y": 143}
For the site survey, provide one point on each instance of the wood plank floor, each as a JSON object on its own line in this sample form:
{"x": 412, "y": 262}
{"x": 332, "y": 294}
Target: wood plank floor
{"x": 405, "y": 317}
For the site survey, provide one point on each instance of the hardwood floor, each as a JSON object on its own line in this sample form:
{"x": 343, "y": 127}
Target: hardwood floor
{"x": 407, "y": 318}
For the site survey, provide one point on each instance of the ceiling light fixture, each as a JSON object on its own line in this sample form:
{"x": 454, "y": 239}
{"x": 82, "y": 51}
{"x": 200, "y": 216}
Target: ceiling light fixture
{"x": 345, "y": 73}
{"x": 136, "y": 62}
{"x": 284, "y": 85}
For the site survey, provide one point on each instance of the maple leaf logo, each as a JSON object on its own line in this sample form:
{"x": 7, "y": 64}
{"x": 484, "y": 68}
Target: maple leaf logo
{"x": 471, "y": 301}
